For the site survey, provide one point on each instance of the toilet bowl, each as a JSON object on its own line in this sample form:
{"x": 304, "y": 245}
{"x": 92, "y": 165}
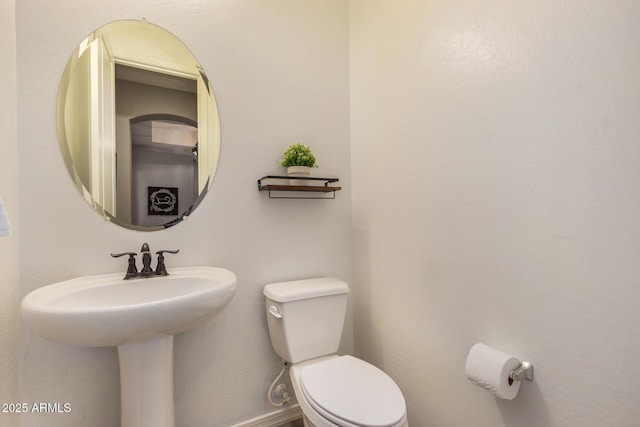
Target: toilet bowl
{"x": 305, "y": 320}
{"x": 343, "y": 391}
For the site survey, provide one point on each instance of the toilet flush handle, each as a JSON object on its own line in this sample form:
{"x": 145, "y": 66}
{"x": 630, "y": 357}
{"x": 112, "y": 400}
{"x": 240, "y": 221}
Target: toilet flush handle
{"x": 273, "y": 310}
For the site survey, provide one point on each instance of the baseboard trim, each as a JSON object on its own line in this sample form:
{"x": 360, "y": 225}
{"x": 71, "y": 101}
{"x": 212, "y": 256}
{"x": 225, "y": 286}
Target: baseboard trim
{"x": 274, "y": 419}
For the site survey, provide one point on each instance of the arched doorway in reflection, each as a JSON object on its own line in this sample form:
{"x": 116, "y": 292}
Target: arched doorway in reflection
{"x": 164, "y": 157}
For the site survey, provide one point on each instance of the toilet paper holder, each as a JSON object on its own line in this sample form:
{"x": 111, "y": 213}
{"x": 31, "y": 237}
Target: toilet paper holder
{"x": 523, "y": 372}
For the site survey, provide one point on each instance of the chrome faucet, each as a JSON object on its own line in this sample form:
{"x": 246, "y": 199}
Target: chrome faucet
{"x": 147, "y": 271}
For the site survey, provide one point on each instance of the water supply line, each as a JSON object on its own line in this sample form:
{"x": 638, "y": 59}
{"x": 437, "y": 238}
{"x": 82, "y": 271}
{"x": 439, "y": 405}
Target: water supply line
{"x": 280, "y": 389}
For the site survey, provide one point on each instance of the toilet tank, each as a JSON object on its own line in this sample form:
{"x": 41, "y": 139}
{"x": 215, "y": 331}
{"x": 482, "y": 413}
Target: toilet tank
{"x": 305, "y": 317}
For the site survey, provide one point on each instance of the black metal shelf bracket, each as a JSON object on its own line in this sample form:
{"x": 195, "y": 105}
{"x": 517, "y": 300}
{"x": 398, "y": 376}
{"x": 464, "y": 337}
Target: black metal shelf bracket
{"x": 280, "y": 188}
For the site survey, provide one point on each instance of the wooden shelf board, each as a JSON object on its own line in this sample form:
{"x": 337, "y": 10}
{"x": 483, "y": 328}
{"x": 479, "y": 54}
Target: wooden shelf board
{"x": 307, "y": 188}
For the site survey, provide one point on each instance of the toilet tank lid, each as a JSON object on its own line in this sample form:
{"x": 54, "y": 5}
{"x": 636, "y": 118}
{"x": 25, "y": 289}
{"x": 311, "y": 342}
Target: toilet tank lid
{"x": 303, "y": 289}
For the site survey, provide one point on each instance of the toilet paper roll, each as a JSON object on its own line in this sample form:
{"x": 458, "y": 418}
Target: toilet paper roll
{"x": 489, "y": 368}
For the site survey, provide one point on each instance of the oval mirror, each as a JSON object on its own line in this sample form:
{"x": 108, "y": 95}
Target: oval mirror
{"x": 138, "y": 125}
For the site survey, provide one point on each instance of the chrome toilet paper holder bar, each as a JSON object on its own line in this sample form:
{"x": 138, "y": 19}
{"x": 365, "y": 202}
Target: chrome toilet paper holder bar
{"x": 525, "y": 371}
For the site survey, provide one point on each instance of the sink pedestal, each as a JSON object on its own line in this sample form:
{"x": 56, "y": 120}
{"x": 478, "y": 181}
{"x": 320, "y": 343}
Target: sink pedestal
{"x": 146, "y": 383}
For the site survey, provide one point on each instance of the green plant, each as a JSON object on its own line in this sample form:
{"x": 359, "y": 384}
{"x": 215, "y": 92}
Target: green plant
{"x": 298, "y": 155}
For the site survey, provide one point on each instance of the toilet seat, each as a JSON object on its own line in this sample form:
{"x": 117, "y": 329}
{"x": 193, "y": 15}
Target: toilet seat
{"x": 353, "y": 393}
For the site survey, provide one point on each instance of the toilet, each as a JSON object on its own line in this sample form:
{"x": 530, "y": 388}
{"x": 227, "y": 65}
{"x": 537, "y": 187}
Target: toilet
{"x": 305, "y": 320}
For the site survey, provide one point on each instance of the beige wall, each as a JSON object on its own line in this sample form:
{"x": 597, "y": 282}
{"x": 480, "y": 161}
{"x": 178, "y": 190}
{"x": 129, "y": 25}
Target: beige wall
{"x": 279, "y": 71}
{"x": 495, "y": 199}
{"x": 9, "y": 270}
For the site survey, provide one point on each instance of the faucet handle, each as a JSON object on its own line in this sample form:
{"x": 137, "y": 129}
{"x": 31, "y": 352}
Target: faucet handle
{"x": 172, "y": 251}
{"x": 124, "y": 253}
{"x": 161, "y": 269}
{"x": 132, "y": 270}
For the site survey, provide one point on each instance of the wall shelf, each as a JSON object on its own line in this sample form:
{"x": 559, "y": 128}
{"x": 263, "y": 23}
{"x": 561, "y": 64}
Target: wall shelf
{"x": 273, "y": 183}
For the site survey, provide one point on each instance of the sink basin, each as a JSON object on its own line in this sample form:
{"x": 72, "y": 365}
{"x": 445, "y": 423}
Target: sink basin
{"x": 140, "y": 317}
{"x": 106, "y": 310}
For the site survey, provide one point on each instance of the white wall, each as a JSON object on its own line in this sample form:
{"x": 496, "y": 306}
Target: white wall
{"x": 279, "y": 70}
{"x": 504, "y": 135}
{"x": 9, "y": 271}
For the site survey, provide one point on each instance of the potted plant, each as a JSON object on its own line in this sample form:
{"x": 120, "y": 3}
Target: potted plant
{"x": 298, "y": 159}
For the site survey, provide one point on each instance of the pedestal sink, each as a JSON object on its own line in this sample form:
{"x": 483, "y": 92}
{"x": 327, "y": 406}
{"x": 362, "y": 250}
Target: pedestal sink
{"x": 140, "y": 317}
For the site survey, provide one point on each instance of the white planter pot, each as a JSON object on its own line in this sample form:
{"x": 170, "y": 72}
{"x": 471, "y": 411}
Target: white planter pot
{"x": 299, "y": 171}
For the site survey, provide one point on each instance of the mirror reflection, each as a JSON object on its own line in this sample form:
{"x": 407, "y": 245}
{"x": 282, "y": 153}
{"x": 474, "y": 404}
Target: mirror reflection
{"x": 138, "y": 125}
